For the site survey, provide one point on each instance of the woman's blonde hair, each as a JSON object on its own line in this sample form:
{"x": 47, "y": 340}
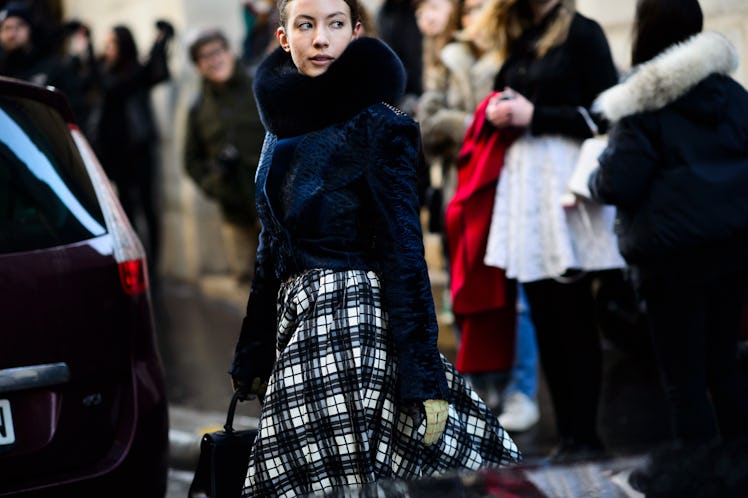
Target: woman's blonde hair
{"x": 500, "y": 23}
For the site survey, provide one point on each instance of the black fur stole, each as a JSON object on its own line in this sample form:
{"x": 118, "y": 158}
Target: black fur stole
{"x": 292, "y": 103}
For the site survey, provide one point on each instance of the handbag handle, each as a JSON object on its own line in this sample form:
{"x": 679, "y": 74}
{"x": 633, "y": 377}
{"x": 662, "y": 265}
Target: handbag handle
{"x": 229, "y": 425}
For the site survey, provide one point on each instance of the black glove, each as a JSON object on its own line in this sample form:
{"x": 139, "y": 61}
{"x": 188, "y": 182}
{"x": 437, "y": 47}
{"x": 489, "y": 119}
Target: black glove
{"x": 166, "y": 28}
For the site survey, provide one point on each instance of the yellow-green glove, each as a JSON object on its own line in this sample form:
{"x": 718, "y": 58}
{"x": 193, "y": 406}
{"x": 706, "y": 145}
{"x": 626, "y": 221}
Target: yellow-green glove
{"x": 437, "y": 412}
{"x": 246, "y": 389}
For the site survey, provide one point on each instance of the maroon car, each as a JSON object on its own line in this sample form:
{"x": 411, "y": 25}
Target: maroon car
{"x": 83, "y": 409}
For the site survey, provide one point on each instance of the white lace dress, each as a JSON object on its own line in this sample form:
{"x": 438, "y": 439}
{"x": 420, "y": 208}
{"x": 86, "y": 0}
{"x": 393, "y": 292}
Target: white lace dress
{"x": 532, "y": 236}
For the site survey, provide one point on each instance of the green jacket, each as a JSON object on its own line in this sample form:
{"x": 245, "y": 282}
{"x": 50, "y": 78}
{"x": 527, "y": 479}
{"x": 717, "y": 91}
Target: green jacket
{"x": 223, "y": 144}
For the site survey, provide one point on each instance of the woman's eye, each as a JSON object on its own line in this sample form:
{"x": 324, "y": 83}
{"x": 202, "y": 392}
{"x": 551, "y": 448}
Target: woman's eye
{"x": 305, "y": 25}
{"x": 338, "y": 24}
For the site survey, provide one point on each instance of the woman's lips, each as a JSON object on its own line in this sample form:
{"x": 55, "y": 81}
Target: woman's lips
{"x": 321, "y": 60}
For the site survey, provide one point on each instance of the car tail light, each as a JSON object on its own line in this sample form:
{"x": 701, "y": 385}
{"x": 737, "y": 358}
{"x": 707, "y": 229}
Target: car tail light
{"x": 133, "y": 276}
{"x": 128, "y": 251}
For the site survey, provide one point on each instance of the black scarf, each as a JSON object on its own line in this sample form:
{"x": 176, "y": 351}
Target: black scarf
{"x": 292, "y": 103}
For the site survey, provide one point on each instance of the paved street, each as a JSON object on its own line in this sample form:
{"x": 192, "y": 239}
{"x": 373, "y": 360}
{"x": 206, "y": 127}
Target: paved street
{"x": 197, "y": 328}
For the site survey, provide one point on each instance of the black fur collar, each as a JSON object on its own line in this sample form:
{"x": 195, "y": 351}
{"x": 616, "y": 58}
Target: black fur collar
{"x": 292, "y": 103}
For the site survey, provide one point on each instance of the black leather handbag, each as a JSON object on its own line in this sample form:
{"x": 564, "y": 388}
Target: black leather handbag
{"x": 224, "y": 456}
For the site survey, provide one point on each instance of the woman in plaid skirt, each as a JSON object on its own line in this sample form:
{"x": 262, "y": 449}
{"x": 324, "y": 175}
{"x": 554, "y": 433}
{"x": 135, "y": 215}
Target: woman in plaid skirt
{"x": 340, "y": 331}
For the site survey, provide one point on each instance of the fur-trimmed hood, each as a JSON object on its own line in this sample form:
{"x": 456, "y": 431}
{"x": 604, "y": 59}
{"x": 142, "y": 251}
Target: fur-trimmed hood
{"x": 669, "y": 76}
{"x": 292, "y": 103}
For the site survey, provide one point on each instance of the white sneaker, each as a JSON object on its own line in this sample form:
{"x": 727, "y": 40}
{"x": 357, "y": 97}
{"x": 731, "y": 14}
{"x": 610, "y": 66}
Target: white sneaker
{"x": 520, "y": 412}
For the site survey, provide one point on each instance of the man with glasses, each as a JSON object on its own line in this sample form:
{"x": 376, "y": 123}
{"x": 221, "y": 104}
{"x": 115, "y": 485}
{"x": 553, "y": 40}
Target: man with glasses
{"x": 223, "y": 144}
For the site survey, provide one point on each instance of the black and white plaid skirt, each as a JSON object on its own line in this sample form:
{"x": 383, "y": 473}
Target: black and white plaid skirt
{"x": 330, "y": 417}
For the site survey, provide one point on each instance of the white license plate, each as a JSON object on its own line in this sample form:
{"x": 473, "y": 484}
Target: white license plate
{"x": 7, "y": 434}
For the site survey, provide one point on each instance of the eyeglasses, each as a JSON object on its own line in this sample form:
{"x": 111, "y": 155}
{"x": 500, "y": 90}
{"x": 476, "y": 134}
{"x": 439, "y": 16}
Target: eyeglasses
{"x": 210, "y": 54}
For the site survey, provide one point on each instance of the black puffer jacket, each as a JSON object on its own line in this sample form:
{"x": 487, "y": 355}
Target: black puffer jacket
{"x": 677, "y": 161}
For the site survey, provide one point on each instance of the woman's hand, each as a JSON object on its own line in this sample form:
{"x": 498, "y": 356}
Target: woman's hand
{"x": 509, "y": 108}
{"x": 437, "y": 412}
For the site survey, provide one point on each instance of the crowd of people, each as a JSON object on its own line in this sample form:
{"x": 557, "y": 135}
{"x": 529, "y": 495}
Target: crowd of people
{"x": 352, "y": 123}
{"x": 109, "y": 89}
{"x": 109, "y": 93}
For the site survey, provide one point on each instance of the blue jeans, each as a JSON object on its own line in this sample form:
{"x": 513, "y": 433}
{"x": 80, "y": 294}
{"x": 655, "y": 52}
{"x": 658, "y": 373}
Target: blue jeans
{"x": 524, "y": 375}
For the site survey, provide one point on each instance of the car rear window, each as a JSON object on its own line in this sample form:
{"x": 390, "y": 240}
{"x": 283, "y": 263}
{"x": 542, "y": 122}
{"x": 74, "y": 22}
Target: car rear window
{"x": 46, "y": 195}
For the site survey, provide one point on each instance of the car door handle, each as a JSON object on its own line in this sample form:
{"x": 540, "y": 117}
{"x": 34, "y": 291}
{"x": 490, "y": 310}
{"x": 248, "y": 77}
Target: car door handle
{"x": 33, "y": 377}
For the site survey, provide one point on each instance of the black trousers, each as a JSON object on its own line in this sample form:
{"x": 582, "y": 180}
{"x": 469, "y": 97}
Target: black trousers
{"x": 570, "y": 353}
{"x": 695, "y": 327}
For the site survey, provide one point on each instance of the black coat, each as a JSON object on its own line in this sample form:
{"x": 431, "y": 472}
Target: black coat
{"x": 46, "y": 68}
{"x": 569, "y": 76}
{"x": 124, "y": 128}
{"x": 676, "y": 165}
{"x": 336, "y": 189}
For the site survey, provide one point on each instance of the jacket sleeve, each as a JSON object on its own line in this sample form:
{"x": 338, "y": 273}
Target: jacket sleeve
{"x": 254, "y": 355}
{"x": 157, "y": 65}
{"x": 198, "y": 162}
{"x": 255, "y": 350}
{"x": 392, "y": 176}
{"x": 195, "y": 153}
{"x": 627, "y": 165}
{"x": 441, "y": 127}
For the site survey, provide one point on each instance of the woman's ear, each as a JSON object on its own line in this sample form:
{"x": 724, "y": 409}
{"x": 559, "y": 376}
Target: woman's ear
{"x": 357, "y": 30}
{"x": 280, "y": 34}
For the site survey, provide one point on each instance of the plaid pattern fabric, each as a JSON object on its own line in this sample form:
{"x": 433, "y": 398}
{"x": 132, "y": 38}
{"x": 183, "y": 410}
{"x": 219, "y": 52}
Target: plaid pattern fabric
{"x": 330, "y": 416}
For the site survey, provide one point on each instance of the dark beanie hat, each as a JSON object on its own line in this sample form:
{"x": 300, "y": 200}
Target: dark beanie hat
{"x": 16, "y": 9}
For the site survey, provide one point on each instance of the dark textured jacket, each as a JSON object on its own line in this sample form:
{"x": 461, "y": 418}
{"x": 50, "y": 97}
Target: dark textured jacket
{"x": 569, "y": 76}
{"x": 223, "y": 143}
{"x": 676, "y": 165}
{"x": 336, "y": 188}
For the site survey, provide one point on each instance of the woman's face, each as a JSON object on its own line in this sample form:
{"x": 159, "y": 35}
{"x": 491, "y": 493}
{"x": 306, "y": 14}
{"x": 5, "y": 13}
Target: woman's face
{"x": 433, "y": 16}
{"x": 317, "y": 33}
{"x": 111, "y": 48}
{"x": 470, "y": 11}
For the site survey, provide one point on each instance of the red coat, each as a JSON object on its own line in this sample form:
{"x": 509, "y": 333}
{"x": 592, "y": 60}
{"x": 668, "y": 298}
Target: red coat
{"x": 483, "y": 301}
{"x": 476, "y": 287}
